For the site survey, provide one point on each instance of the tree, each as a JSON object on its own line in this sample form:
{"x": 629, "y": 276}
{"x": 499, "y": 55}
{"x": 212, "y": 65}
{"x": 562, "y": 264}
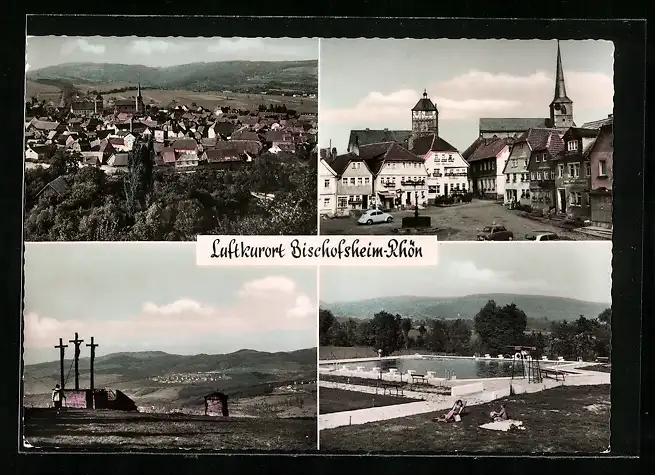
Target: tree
{"x": 459, "y": 337}
{"x": 64, "y": 163}
{"x": 499, "y": 327}
{"x": 438, "y": 336}
{"x": 406, "y": 326}
{"x": 387, "y": 332}
{"x": 325, "y": 321}
{"x": 605, "y": 316}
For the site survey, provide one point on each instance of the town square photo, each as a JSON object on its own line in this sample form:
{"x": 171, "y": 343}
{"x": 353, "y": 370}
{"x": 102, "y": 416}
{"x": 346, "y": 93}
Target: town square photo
{"x": 162, "y": 139}
{"x": 485, "y": 139}
{"x": 499, "y": 348}
{"x": 126, "y": 350}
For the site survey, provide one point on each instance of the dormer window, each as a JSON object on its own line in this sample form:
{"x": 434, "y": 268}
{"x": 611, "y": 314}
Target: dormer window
{"x": 572, "y": 146}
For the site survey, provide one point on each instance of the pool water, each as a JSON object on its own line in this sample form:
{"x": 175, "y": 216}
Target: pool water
{"x": 462, "y": 368}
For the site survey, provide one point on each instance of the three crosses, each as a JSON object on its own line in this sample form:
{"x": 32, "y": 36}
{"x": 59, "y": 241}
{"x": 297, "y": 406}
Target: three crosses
{"x": 77, "y": 342}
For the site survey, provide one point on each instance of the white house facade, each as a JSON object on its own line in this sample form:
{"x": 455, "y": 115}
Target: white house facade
{"x": 447, "y": 173}
{"x": 354, "y": 185}
{"x": 400, "y": 182}
{"x": 327, "y": 183}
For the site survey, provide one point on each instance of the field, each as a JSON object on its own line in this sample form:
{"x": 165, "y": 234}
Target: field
{"x": 561, "y": 420}
{"x": 114, "y": 430}
{"x": 338, "y": 400}
{"x": 42, "y": 92}
{"x": 210, "y": 100}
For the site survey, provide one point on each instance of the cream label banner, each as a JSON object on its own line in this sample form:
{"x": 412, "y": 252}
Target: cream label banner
{"x": 377, "y": 251}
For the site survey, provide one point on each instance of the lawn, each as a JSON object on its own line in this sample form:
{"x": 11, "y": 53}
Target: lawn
{"x": 561, "y": 420}
{"x": 338, "y": 400}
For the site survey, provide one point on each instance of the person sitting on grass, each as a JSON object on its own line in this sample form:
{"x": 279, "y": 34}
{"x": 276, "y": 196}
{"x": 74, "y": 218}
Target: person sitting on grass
{"x": 500, "y": 415}
{"x": 453, "y": 414}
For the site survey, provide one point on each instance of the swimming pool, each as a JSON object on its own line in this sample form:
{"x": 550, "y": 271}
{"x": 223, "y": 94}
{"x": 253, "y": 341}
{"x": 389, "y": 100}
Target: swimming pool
{"x": 462, "y": 368}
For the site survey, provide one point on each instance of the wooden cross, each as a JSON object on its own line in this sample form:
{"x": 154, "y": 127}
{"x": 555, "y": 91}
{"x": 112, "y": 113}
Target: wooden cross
{"x": 77, "y": 343}
{"x": 62, "y": 348}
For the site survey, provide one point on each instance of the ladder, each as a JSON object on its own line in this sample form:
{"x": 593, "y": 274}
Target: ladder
{"x": 534, "y": 371}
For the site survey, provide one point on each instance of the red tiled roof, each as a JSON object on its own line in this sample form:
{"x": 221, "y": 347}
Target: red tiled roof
{"x": 251, "y": 147}
{"x": 489, "y": 148}
{"x": 168, "y": 155}
{"x": 214, "y": 155}
{"x": 432, "y": 142}
{"x": 185, "y": 144}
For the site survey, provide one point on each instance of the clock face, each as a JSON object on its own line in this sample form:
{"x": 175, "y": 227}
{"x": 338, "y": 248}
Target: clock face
{"x": 557, "y": 107}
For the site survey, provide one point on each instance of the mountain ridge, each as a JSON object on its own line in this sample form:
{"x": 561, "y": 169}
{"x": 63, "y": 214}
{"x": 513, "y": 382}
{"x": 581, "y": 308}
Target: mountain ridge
{"x": 535, "y": 306}
{"x": 199, "y": 76}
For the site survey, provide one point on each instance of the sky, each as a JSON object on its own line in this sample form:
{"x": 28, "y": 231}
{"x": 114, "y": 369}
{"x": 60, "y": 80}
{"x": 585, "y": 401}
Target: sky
{"x": 564, "y": 269}
{"x": 45, "y": 51}
{"x": 152, "y": 297}
{"x": 374, "y": 83}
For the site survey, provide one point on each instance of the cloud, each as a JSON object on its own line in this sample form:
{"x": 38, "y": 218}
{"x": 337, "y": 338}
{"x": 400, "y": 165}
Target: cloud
{"x": 500, "y": 281}
{"x": 232, "y": 45}
{"x": 156, "y": 46}
{"x": 82, "y": 45}
{"x": 265, "y": 305}
{"x": 480, "y": 94}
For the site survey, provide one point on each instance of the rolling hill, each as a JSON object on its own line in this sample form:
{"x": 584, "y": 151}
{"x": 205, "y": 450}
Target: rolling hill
{"x": 247, "y": 367}
{"x": 238, "y": 76}
{"x": 535, "y": 306}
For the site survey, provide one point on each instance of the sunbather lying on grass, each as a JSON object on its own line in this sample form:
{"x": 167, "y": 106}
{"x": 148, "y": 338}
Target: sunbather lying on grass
{"x": 453, "y": 414}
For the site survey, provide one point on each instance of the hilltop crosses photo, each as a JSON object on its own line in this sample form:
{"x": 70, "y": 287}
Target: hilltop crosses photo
{"x": 164, "y": 139}
{"x": 490, "y": 150}
{"x": 174, "y": 362}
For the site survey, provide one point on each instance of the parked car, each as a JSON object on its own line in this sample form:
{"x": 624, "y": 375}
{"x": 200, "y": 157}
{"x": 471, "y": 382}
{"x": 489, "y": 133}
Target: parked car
{"x": 374, "y": 216}
{"x": 495, "y": 233}
{"x": 545, "y": 236}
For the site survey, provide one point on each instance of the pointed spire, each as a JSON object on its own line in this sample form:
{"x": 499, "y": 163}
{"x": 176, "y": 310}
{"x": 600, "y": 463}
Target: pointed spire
{"x": 139, "y": 86}
{"x": 560, "y": 87}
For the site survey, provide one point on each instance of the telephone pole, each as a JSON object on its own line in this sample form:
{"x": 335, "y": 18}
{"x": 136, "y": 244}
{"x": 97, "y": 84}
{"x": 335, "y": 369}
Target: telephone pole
{"x": 77, "y": 343}
{"x": 93, "y": 347}
{"x": 62, "y": 348}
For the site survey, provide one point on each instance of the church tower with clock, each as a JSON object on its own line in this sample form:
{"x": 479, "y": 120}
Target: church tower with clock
{"x": 425, "y": 117}
{"x": 561, "y": 109}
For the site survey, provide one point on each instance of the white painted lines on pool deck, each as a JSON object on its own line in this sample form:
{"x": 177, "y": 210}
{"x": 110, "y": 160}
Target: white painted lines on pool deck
{"x": 374, "y": 414}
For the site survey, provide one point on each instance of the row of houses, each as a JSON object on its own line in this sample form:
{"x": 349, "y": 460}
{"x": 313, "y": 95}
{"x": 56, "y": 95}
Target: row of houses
{"x": 387, "y": 174}
{"x": 183, "y": 137}
{"x": 566, "y": 171}
{"x": 563, "y": 171}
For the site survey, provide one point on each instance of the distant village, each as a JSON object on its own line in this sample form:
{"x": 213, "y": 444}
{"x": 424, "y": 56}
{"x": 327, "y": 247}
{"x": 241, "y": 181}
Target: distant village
{"x": 185, "y": 378}
{"x": 185, "y": 137}
{"x": 547, "y": 166}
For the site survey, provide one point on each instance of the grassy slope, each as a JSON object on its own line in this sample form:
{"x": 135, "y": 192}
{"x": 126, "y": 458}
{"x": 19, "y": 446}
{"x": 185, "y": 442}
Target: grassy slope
{"x": 112, "y": 430}
{"x": 564, "y": 420}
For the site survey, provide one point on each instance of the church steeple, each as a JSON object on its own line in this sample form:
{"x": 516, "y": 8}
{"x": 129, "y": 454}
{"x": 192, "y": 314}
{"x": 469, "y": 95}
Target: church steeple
{"x": 139, "y": 100}
{"x": 561, "y": 109}
{"x": 560, "y": 85}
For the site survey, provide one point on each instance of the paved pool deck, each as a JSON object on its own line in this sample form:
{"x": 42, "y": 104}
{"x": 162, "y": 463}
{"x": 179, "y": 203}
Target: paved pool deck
{"x": 493, "y": 388}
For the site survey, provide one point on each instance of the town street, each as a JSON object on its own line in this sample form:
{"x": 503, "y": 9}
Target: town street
{"x": 455, "y": 223}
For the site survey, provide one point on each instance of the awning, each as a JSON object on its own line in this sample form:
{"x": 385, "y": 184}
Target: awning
{"x": 386, "y": 195}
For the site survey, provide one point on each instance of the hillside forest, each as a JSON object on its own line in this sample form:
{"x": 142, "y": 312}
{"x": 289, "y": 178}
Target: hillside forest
{"x": 492, "y": 331}
{"x": 145, "y": 203}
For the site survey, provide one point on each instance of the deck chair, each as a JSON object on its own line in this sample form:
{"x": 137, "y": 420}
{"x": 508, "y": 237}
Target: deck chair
{"x": 453, "y": 414}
